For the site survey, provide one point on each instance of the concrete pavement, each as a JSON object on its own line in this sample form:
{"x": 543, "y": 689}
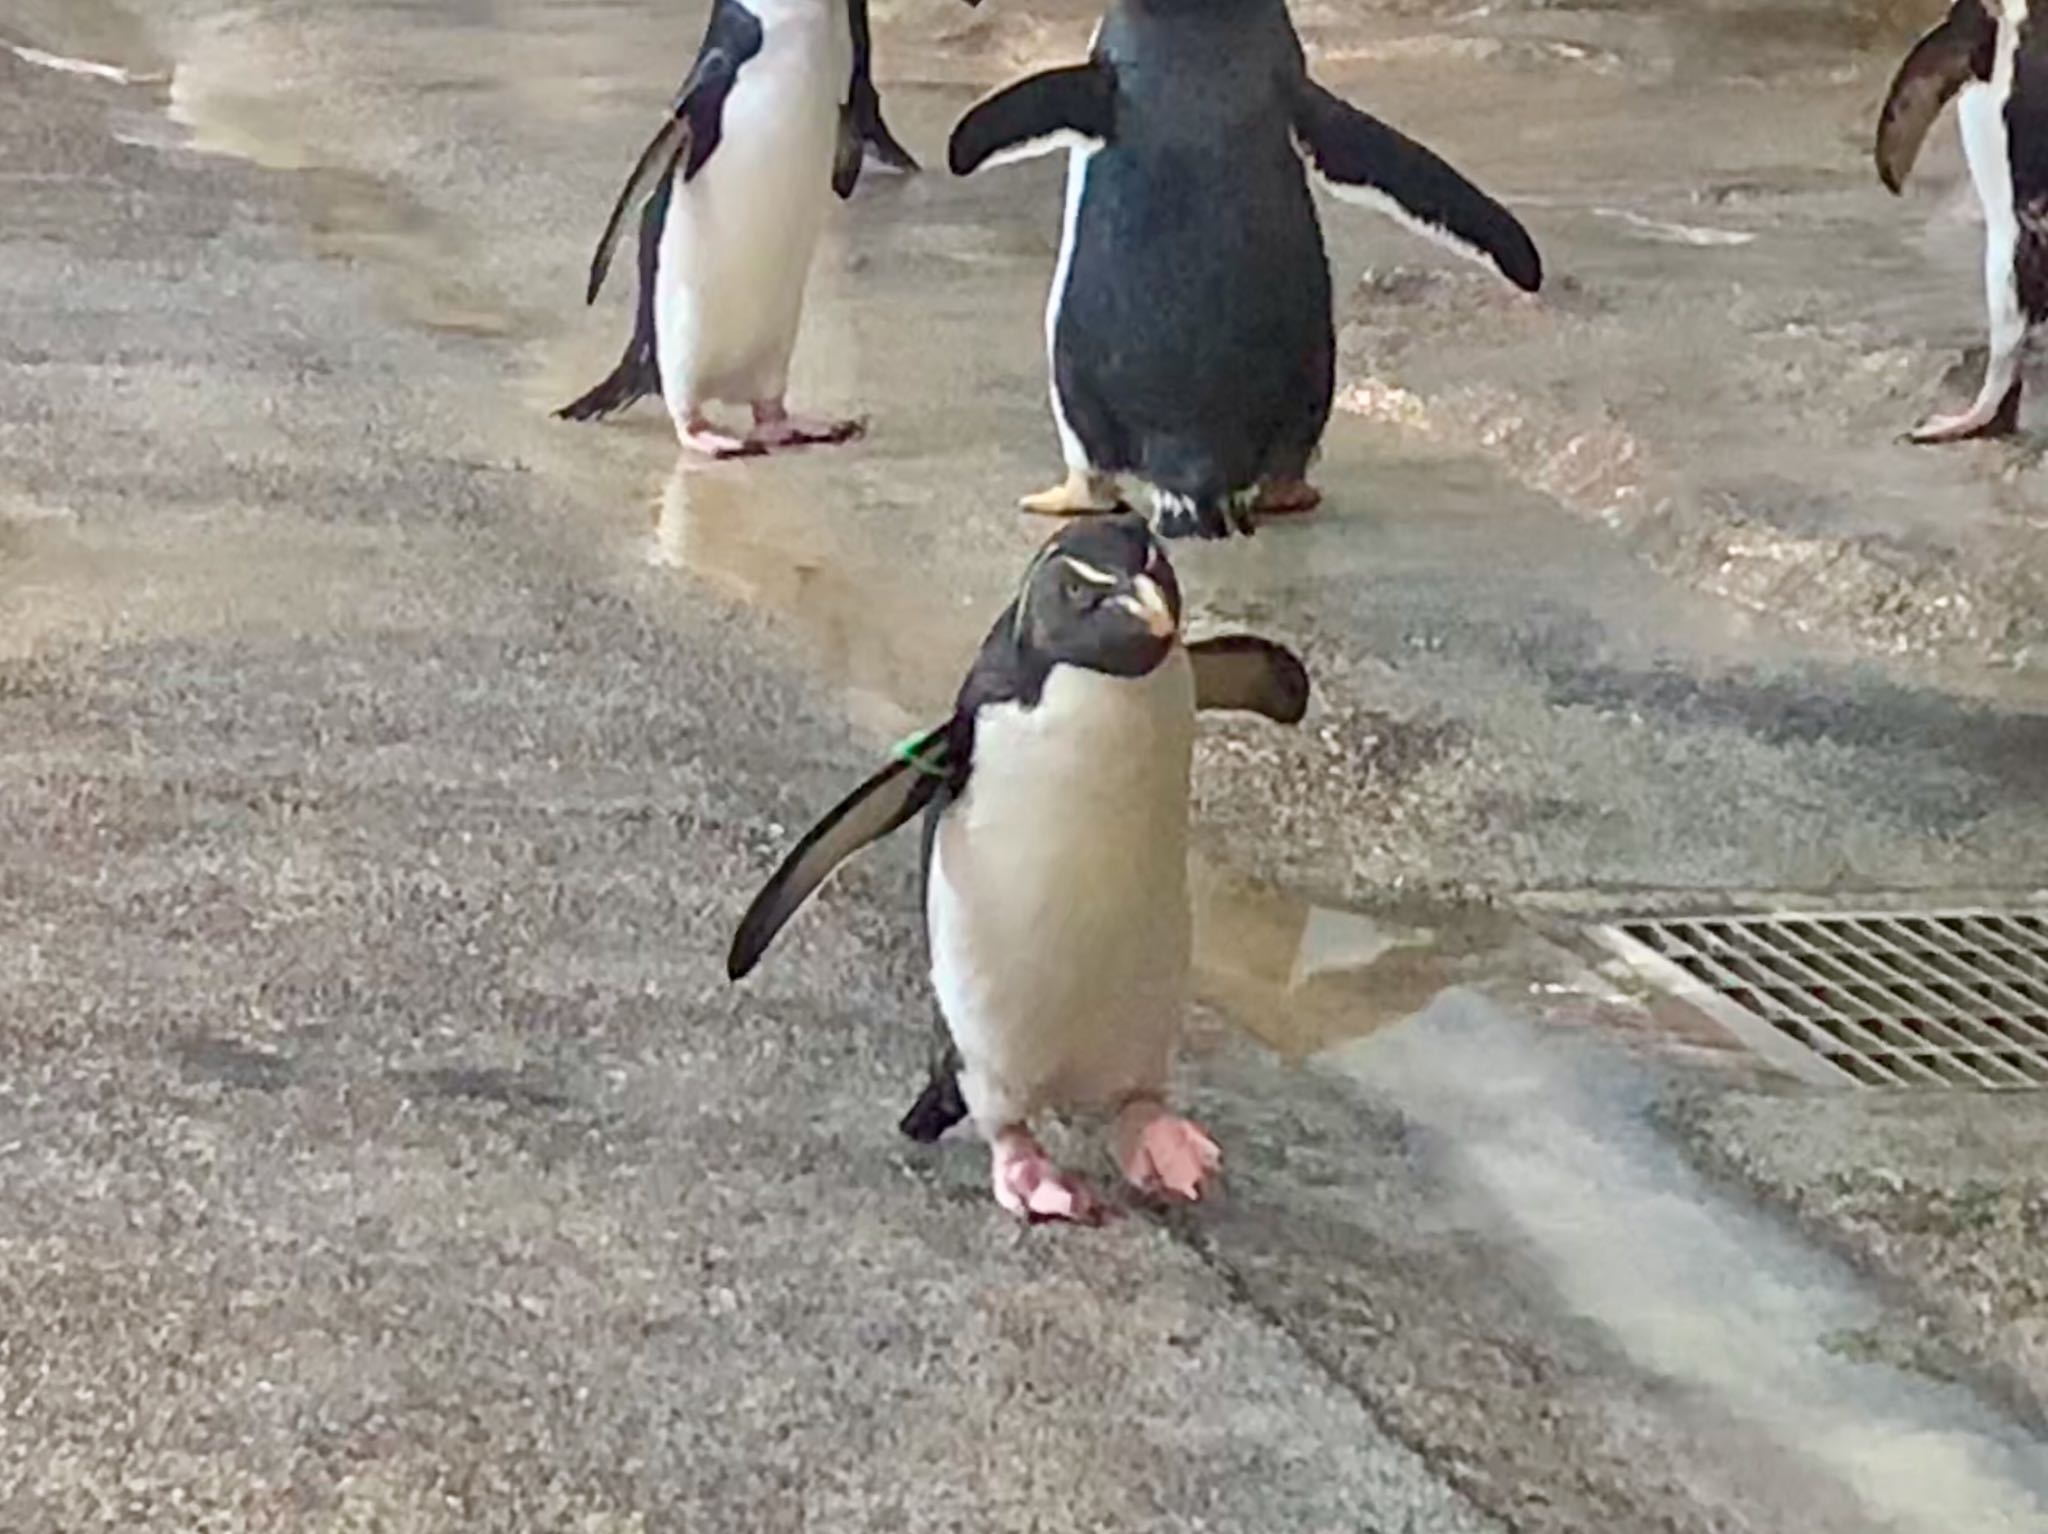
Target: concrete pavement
{"x": 384, "y": 767}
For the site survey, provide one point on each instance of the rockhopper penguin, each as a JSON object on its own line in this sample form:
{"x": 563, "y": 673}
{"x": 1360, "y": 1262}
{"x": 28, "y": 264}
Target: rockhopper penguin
{"x": 1189, "y": 326}
{"x": 1055, "y": 846}
{"x": 1996, "y": 55}
{"x": 776, "y": 111}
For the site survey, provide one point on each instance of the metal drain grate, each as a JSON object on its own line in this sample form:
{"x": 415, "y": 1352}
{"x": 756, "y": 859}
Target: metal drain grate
{"x": 1904, "y": 999}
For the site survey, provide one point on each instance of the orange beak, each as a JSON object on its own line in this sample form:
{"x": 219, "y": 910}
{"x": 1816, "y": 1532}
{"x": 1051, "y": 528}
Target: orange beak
{"x": 1159, "y": 618}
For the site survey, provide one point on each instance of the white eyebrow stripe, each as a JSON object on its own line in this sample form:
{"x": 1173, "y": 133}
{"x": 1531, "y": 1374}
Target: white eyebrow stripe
{"x": 1088, "y": 572}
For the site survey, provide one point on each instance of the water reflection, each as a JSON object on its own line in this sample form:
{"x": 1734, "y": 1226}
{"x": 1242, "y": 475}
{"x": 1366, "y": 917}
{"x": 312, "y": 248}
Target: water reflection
{"x": 865, "y": 621}
{"x": 1302, "y": 978}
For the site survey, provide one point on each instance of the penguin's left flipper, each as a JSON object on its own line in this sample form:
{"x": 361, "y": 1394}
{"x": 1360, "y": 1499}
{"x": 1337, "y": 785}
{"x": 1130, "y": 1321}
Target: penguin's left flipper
{"x": 696, "y": 120}
{"x": 1363, "y": 160}
{"x": 1242, "y": 671}
{"x": 639, "y": 371}
{"x": 923, "y": 769}
{"x": 1058, "y": 109}
{"x": 860, "y": 121}
{"x": 1963, "y": 48}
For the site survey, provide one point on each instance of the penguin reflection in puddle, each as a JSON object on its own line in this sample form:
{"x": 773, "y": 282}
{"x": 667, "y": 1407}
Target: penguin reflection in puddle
{"x": 1189, "y": 324}
{"x": 777, "y": 112}
{"x": 1055, "y": 804}
{"x": 1997, "y": 57}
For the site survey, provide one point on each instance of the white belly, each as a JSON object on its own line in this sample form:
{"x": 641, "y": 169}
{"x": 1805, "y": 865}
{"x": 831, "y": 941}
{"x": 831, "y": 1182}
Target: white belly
{"x": 1075, "y": 454}
{"x": 737, "y": 244}
{"x": 1981, "y": 112}
{"x": 1058, "y": 902}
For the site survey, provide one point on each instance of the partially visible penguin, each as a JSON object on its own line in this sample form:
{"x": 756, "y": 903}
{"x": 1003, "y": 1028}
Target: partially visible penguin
{"x": 1189, "y": 325}
{"x": 1997, "y": 57}
{"x": 776, "y": 112}
{"x": 1055, "y": 847}
{"x": 864, "y": 102}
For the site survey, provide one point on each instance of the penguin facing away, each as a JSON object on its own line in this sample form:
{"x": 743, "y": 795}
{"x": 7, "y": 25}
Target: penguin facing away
{"x": 1189, "y": 323}
{"x": 1055, "y": 849}
{"x": 1996, "y": 56}
{"x": 776, "y": 111}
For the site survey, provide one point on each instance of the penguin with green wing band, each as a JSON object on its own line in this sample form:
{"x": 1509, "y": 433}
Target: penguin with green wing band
{"x": 1055, "y": 800}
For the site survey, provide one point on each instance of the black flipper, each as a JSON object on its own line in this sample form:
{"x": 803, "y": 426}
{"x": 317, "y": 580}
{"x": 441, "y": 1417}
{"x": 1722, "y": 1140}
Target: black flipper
{"x": 847, "y": 155}
{"x": 868, "y": 814}
{"x": 939, "y": 1106}
{"x": 1036, "y": 115}
{"x": 695, "y": 122}
{"x": 1242, "y": 671}
{"x": 865, "y": 105}
{"x": 1363, "y": 160}
{"x": 638, "y": 373}
{"x": 1963, "y": 48}
{"x": 657, "y": 162}
{"x": 875, "y": 134}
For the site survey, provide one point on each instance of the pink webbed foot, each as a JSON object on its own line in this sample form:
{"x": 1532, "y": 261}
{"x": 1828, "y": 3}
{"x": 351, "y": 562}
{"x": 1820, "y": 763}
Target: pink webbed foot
{"x": 700, "y": 436}
{"x": 1287, "y": 497}
{"x": 1163, "y": 1153}
{"x": 2001, "y": 420}
{"x": 1032, "y": 1188}
{"x": 775, "y": 427}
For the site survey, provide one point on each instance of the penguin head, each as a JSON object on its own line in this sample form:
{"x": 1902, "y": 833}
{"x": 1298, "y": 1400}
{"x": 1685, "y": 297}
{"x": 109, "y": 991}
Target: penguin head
{"x": 1101, "y": 595}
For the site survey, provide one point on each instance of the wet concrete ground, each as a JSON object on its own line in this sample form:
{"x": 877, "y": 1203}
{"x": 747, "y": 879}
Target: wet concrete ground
{"x": 387, "y": 763}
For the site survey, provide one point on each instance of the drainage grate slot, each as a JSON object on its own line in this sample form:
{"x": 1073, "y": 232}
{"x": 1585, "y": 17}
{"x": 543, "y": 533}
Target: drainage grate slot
{"x": 1926, "y": 999}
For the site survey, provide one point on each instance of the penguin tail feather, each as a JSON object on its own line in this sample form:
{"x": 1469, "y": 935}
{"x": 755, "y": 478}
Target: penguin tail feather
{"x": 634, "y": 378}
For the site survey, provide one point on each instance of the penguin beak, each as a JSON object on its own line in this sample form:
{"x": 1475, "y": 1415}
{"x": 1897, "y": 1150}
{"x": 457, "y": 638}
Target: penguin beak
{"x": 1150, "y": 603}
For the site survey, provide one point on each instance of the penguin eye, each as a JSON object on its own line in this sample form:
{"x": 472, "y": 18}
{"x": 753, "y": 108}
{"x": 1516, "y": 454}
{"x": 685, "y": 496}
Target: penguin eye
{"x": 1084, "y": 585}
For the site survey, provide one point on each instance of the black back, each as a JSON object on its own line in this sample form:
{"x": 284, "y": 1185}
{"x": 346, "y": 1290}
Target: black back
{"x": 2026, "y": 127}
{"x": 1194, "y": 345}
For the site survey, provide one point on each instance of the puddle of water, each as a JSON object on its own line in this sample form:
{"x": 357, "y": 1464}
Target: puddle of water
{"x": 88, "y": 37}
{"x": 350, "y": 215}
{"x": 1711, "y": 1296}
{"x": 868, "y": 623}
{"x": 1303, "y": 978}
{"x": 91, "y": 68}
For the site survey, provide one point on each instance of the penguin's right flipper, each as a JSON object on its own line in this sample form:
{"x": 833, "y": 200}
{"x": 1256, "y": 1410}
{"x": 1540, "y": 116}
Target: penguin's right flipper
{"x": 1242, "y": 671}
{"x": 695, "y": 122}
{"x": 657, "y": 160}
{"x": 1961, "y": 49}
{"x": 847, "y": 154}
{"x": 1363, "y": 160}
{"x": 639, "y": 371}
{"x": 923, "y": 767}
{"x": 1040, "y": 113}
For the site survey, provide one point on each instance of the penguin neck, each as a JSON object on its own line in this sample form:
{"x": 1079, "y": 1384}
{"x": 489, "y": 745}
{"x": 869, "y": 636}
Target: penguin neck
{"x": 773, "y": 14}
